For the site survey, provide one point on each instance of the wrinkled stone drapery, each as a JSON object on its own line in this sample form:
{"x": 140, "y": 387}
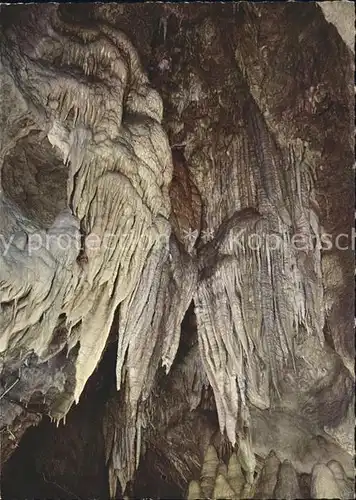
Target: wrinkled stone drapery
{"x": 149, "y": 211}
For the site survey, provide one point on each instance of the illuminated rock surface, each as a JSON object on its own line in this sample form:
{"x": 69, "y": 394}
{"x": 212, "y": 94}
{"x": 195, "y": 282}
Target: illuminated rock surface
{"x": 171, "y": 176}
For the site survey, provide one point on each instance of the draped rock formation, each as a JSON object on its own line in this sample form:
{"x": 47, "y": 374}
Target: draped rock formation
{"x": 174, "y": 183}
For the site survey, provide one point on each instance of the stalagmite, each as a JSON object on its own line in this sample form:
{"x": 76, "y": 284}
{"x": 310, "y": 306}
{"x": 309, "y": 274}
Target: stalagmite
{"x": 194, "y": 492}
{"x": 235, "y": 475}
{"x": 268, "y": 477}
{"x": 222, "y": 489}
{"x": 246, "y": 458}
{"x": 208, "y": 472}
{"x": 287, "y": 482}
{"x": 346, "y": 485}
{"x": 324, "y": 483}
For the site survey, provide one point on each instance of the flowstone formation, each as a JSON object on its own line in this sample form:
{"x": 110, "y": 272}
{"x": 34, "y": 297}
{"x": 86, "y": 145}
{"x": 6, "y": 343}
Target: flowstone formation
{"x": 174, "y": 183}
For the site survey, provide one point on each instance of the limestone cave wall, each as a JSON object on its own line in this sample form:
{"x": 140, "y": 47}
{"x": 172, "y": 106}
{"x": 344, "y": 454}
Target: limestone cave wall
{"x": 177, "y": 274}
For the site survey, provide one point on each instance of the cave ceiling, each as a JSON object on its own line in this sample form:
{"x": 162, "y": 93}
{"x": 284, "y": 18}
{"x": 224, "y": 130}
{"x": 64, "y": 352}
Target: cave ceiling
{"x": 177, "y": 188}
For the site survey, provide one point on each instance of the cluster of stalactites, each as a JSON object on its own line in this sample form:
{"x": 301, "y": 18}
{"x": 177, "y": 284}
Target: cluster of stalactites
{"x": 262, "y": 292}
{"x": 119, "y": 169}
{"x": 150, "y": 322}
{"x": 118, "y": 188}
{"x": 250, "y": 306}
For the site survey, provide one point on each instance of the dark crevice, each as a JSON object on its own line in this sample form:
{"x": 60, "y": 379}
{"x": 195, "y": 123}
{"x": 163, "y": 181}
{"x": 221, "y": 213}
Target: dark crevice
{"x": 69, "y": 461}
{"x": 328, "y": 336}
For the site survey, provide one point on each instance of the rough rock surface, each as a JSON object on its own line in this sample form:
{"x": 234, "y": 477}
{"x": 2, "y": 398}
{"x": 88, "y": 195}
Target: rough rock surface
{"x": 174, "y": 183}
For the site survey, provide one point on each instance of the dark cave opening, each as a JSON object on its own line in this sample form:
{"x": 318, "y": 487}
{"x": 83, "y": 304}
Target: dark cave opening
{"x": 68, "y": 461}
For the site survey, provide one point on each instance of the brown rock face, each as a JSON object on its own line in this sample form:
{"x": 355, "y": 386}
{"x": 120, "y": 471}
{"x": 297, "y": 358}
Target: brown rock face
{"x": 176, "y": 205}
